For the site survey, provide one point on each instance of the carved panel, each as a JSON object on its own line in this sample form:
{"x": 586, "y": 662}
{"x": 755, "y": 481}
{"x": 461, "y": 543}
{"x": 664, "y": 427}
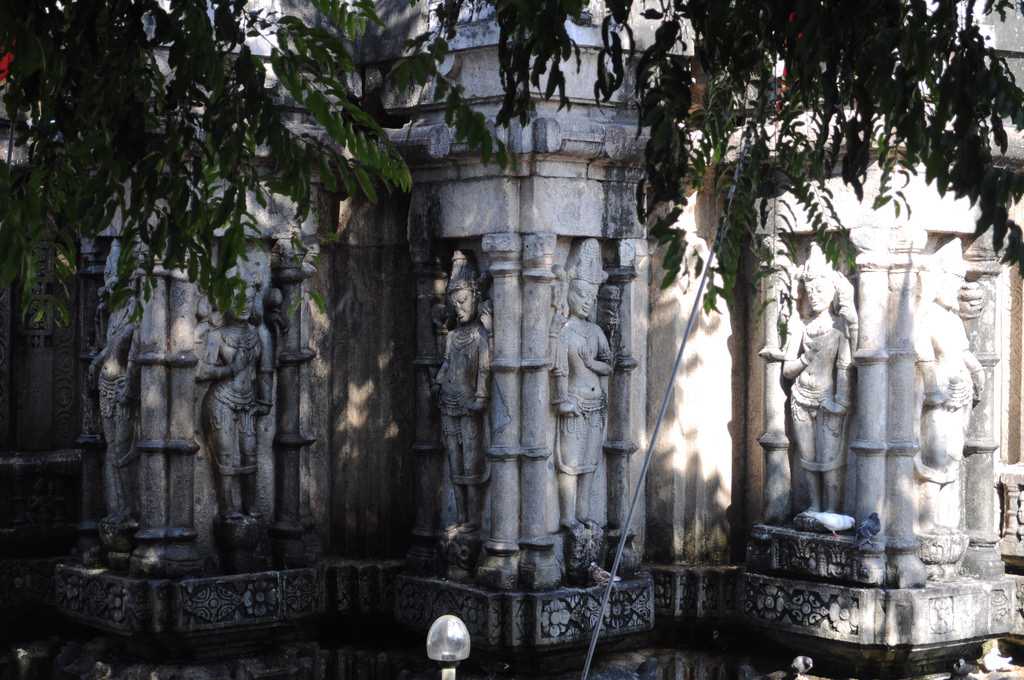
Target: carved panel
{"x": 825, "y": 612}
{"x": 571, "y": 616}
{"x": 102, "y": 600}
{"x": 222, "y": 602}
{"x": 39, "y": 503}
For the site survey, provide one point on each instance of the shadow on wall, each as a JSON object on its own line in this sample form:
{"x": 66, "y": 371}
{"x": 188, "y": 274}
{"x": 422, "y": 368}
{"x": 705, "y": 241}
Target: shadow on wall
{"x": 700, "y": 454}
{"x": 371, "y": 300}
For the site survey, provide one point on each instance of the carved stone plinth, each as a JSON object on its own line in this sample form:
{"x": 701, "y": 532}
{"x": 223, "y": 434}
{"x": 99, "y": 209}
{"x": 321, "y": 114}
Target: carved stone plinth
{"x": 684, "y": 593}
{"x": 365, "y": 587}
{"x": 1011, "y": 539}
{"x": 806, "y": 554}
{"x": 879, "y": 628}
{"x": 191, "y": 616}
{"x": 510, "y": 621}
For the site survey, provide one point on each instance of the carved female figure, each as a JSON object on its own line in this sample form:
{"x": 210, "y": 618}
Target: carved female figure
{"x": 819, "y": 366}
{"x": 116, "y": 376}
{"x": 952, "y": 379}
{"x": 581, "y": 358}
{"x": 462, "y": 386}
{"x": 238, "y": 363}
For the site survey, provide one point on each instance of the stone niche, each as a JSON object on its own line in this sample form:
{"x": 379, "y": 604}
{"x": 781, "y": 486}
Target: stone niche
{"x": 529, "y": 396}
{"x": 878, "y": 441}
{"x": 194, "y": 537}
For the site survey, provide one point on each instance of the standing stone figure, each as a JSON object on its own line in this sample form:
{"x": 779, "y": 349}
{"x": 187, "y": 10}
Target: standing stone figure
{"x": 582, "y": 357}
{"x": 953, "y": 380}
{"x": 238, "y": 362}
{"x": 116, "y": 377}
{"x": 462, "y": 388}
{"x": 818, "y": 363}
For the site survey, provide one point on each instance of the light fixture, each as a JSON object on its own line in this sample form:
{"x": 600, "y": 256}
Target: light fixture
{"x": 448, "y": 643}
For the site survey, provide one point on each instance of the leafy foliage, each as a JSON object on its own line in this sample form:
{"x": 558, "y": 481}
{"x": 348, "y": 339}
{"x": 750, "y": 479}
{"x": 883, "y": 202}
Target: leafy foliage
{"x": 906, "y": 85}
{"x": 164, "y": 118}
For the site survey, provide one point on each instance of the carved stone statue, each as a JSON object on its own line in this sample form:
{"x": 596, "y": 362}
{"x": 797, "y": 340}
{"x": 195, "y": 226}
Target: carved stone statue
{"x": 582, "y": 357}
{"x": 238, "y": 362}
{"x": 115, "y": 375}
{"x": 953, "y": 380}
{"x": 818, "y": 362}
{"x": 462, "y": 389}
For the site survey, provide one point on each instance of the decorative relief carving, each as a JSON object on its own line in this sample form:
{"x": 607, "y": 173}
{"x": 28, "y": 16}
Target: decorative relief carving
{"x": 237, "y": 359}
{"x": 999, "y": 606}
{"x": 219, "y": 602}
{"x": 953, "y": 380}
{"x": 941, "y": 615}
{"x": 462, "y": 389}
{"x": 818, "y": 361}
{"x": 581, "y": 358}
{"x": 801, "y": 606}
{"x": 114, "y": 373}
{"x": 104, "y": 600}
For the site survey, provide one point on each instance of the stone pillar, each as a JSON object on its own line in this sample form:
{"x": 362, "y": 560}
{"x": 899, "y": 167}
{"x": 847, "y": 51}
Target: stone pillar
{"x": 499, "y": 569}
{"x": 618, "y": 445}
{"x": 871, "y": 357}
{"x": 423, "y": 557}
{"x": 778, "y": 480}
{"x": 293, "y": 357}
{"x": 538, "y": 567}
{"x": 166, "y": 540}
{"x": 905, "y": 569}
{"x": 980, "y": 509}
{"x": 90, "y": 438}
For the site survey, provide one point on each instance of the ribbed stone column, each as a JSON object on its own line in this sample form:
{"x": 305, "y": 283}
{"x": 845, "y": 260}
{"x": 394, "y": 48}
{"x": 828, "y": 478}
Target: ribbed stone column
{"x": 778, "y": 480}
{"x": 871, "y": 357}
{"x": 538, "y": 568}
{"x": 423, "y": 557}
{"x": 293, "y": 357}
{"x": 618, "y": 444}
{"x": 90, "y": 438}
{"x": 499, "y": 568}
{"x": 980, "y": 508}
{"x": 905, "y": 569}
{"x": 166, "y": 540}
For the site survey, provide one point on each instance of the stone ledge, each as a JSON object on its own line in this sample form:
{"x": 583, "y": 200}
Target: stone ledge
{"x": 362, "y": 586}
{"x": 939, "y": 614}
{"x": 806, "y": 554}
{"x": 542, "y": 620}
{"x": 190, "y": 613}
{"x": 694, "y": 593}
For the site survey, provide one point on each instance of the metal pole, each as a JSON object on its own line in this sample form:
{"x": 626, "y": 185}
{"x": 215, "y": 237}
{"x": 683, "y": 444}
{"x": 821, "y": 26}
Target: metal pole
{"x": 690, "y": 322}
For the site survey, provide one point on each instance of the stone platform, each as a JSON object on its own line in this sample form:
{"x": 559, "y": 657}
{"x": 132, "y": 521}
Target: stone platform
{"x": 877, "y": 628}
{"x": 191, "y": 616}
{"x": 513, "y": 621}
{"x": 812, "y": 555}
{"x": 685, "y": 593}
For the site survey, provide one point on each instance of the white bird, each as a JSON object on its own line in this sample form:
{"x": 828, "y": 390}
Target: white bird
{"x": 993, "y": 662}
{"x": 830, "y": 521}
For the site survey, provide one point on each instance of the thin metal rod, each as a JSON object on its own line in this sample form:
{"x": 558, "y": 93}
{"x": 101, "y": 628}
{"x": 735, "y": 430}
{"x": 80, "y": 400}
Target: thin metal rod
{"x": 10, "y": 144}
{"x": 669, "y": 389}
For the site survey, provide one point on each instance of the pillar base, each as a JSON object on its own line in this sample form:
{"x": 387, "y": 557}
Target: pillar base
{"x": 983, "y": 561}
{"x": 552, "y": 619}
{"x": 165, "y": 553}
{"x": 538, "y": 568}
{"x": 499, "y": 570}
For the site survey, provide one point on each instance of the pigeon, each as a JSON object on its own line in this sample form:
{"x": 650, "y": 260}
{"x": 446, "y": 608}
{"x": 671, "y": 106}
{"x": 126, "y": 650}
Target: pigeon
{"x": 599, "y": 576}
{"x": 867, "y": 530}
{"x": 801, "y": 665}
{"x": 962, "y": 669}
{"x": 648, "y": 670}
{"x": 993, "y": 662}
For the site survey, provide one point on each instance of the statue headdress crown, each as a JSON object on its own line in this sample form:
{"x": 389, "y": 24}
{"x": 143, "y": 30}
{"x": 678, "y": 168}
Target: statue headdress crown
{"x": 587, "y": 265}
{"x": 816, "y": 266}
{"x": 464, "y": 274}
